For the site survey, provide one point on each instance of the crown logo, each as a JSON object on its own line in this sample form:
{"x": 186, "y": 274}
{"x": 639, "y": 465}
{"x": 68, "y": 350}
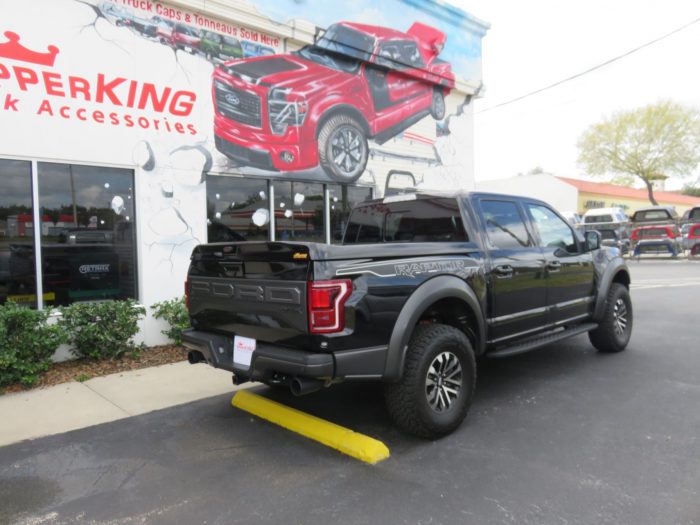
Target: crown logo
{"x": 16, "y": 51}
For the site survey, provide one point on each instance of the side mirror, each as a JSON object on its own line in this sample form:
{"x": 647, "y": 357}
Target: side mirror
{"x": 592, "y": 240}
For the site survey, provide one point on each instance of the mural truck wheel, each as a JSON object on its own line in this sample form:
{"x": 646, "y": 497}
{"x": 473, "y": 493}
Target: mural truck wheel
{"x": 342, "y": 148}
{"x": 437, "y": 108}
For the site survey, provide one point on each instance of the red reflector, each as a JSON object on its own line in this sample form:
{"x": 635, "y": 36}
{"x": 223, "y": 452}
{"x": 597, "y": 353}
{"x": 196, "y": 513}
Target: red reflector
{"x": 187, "y": 294}
{"x": 326, "y": 303}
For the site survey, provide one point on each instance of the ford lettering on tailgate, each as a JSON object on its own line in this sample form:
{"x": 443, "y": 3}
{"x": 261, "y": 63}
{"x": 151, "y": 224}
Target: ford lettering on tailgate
{"x": 288, "y": 294}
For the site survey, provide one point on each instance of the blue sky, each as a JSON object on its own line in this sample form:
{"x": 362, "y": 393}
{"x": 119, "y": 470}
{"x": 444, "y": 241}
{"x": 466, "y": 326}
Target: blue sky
{"x": 462, "y": 50}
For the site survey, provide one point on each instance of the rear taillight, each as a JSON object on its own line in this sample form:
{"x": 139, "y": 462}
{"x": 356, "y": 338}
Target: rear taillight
{"x": 326, "y": 301}
{"x": 187, "y": 294}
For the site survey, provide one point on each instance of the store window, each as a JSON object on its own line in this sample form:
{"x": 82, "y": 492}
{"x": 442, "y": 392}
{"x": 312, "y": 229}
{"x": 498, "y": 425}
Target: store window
{"x": 87, "y": 233}
{"x": 299, "y": 211}
{"x": 342, "y": 199}
{"x": 237, "y": 209}
{"x": 17, "y": 270}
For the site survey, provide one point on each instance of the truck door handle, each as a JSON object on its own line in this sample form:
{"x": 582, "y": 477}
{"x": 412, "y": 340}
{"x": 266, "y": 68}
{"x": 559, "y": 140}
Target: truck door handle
{"x": 504, "y": 270}
{"x": 553, "y": 266}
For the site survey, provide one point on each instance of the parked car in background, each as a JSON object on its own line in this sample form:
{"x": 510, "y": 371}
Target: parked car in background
{"x": 654, "y": 215}
{"x": 615, "y": 238}
{"x": 220, "y": 47}
{"x": 657, "y": 240}
{"x": 692, "y": 241}
{"x": 606, "y": 216}
{"x": 186, "y": 38}
{"x": 692, "y": 216}
{"x": 612, "y": 224}
{"x": 573, "y": 217}
{"x": 251, "y": 49}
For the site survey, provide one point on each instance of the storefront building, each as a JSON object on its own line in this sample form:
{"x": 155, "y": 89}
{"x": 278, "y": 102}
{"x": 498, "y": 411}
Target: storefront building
{"x": 133, "y": 130}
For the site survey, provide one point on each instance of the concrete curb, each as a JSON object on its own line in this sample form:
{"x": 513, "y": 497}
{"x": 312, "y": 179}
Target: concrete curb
{"x": 70, "y": 406}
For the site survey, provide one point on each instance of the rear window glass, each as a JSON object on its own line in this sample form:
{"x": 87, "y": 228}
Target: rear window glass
{"x": 651, "y": 215}
{"x": 591, "y": 219}
{"x": 421, "y": 220}
{"x": 607, "y": 234}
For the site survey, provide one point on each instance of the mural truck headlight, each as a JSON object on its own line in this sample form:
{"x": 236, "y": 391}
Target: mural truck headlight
{"x": 284, "y": 112}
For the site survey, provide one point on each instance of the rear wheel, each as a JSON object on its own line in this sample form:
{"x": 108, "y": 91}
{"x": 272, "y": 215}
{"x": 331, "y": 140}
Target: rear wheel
{"x": 615, "y": 329}
{"x": 434, "y": 394}
{"x": 342, "y": 148}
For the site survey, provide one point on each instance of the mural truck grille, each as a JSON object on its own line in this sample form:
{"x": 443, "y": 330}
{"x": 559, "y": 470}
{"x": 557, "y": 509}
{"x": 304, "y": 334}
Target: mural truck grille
{"x": 238, "y": 105}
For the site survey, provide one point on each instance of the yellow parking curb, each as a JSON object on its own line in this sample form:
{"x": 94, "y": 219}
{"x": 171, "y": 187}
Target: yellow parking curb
{"x": 340, "y": 438}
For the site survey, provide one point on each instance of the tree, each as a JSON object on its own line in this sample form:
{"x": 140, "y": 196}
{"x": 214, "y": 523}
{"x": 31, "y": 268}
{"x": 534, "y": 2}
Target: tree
{"x": 652, "y": 143}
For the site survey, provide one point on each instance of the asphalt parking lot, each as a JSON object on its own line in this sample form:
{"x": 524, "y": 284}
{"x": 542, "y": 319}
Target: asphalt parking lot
{"x": 562, "y": 435}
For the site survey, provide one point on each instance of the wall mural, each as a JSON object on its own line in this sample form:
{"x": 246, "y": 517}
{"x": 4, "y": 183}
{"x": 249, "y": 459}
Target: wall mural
{"x": 371, "y": 99}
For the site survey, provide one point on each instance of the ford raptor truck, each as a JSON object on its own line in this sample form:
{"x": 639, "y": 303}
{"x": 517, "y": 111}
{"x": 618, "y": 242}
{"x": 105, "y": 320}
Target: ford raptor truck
{"x": 319, "y": 105}
{"x": 421, "y": 286}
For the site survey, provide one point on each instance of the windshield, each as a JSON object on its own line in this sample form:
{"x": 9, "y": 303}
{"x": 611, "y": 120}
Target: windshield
{"x": 329, "y": 59}
{"x": 340, "y": 48}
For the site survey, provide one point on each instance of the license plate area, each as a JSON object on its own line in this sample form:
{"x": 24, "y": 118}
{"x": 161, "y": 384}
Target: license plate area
{"x": 243, "y": 349}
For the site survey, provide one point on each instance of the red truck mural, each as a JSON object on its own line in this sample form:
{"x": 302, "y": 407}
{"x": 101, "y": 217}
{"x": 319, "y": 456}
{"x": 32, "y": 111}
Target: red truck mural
{"x": 321, "y": 104}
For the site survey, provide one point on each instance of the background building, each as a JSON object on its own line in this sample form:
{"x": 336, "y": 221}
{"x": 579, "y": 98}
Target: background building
{"x": 580, "y": 196}
{"x": 132, "y": 130}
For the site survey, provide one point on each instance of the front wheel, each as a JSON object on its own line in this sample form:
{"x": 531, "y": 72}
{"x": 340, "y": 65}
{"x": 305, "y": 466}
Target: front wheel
{"x": 615, "y": 329}
{"x": 342, "y": 148}
{"x": 434, "y": 394}
{"x": 437, "y": 107}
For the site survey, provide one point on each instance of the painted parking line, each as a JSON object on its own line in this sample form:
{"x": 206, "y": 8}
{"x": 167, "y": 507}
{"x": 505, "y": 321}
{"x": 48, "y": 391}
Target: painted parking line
{"x": 647, "y": 285}
{"x": 343, "y": 439}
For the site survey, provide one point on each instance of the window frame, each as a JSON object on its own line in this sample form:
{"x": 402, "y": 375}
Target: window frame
{"x": 524, "y": 217}
{"x": 37, "y": 215}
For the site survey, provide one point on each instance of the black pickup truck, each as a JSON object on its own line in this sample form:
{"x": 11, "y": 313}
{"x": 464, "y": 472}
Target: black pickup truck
{"x": 421, "y": 286}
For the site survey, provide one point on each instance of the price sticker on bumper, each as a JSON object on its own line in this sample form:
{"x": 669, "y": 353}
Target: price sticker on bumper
{"x": 243, "y": 348}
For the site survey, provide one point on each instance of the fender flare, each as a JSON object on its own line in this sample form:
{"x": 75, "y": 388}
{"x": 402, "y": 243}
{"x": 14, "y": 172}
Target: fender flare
{"x": 612, "y": 270}
{"x": 433, "y": 290}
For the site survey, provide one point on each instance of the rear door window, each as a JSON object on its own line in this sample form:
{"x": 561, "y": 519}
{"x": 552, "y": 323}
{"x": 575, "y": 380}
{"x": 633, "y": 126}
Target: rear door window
{"x": 421, "y": 220}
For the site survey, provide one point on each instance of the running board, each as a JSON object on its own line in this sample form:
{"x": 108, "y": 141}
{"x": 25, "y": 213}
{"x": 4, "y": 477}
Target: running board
{"x": 542, "y": 340}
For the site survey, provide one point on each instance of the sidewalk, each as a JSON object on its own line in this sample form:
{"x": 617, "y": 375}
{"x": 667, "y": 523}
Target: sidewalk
{"x": 69, "y": 406}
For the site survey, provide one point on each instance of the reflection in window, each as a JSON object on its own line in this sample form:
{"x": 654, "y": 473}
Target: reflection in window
{"x": 299, "y": 212}
{"x": 17, "y": 271}
{"x": 87, "y": 233}
{"x": 237, "y": 209}
{"x": 554, "y": 232}
{"x": 504, "y": 225}
{"x": 421, "y": 220}
{"x": 342, "y": 200}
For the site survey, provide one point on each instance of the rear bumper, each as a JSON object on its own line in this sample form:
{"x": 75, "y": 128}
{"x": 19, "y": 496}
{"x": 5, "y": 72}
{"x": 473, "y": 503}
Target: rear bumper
{"x": 267, "y": 359}
{"x": 656, "y": 247}
{"x": 269, "y": 362}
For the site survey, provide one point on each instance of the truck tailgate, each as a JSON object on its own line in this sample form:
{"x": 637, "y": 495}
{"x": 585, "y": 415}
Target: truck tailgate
{"x": 256, "y": 290}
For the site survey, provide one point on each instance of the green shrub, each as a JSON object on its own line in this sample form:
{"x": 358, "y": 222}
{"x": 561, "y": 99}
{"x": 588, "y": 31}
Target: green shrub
{"x": 27, "y": 343}
{"x": 175, "y": 314}
{"x": 102, "y": 330}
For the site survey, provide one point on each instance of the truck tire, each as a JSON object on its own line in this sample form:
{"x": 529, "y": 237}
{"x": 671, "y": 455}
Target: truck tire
{"x": 614, "y": 331}
{"x": 342, "y": 148}
{"x": 434, "y": 394}
{"x": 437, "y": 108}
